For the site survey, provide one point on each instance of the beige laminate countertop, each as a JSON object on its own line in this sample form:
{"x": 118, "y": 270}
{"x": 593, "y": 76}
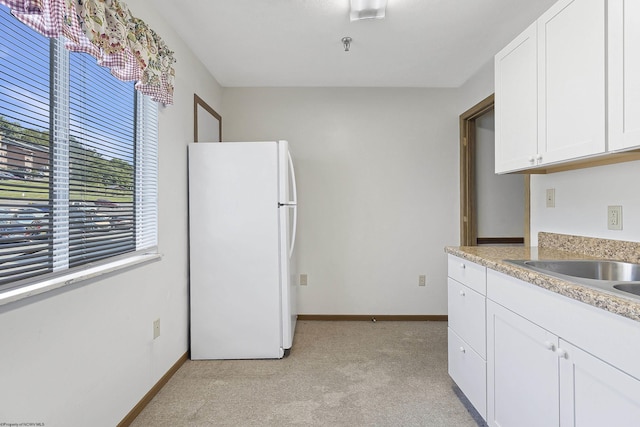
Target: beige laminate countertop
{"x": 492, "y": 257}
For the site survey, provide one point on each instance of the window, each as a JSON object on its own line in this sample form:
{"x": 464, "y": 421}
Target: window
{"x": 78, "y": 159}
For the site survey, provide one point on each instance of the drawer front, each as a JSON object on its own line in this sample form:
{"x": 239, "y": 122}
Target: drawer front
{"x": 469, "y": 371}
{"x": 468, "y": 273}
{"x": 467, "y": 315}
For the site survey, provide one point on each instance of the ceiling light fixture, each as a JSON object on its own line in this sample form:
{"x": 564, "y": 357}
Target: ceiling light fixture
{"x": 346, "y": 42}
{"x": 367, "y": 9}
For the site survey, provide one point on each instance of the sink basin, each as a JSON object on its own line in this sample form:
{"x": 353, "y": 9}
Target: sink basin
{"x": 616, "y": 277}
{"x": 632, "y": 288}
{"x": 591, "y": 269}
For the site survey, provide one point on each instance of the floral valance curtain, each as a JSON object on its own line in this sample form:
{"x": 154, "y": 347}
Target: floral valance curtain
{"x": 106, "y": 30}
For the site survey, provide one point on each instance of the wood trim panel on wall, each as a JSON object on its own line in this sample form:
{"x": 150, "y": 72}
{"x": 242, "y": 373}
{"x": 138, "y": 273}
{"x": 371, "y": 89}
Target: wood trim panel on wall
{"x": 588, "y": 162}
{"x": 128, "y": 419}
{"x": 374, "y": 317}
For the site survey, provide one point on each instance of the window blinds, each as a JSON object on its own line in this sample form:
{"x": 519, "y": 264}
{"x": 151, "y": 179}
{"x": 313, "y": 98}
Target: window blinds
{"x": 78, "y": 159}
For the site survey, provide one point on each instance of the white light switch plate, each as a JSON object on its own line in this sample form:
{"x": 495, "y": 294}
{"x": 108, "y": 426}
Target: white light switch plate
{"x": 551, "y": 197}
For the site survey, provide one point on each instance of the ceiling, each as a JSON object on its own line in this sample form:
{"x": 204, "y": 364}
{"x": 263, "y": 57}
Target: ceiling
{"x": 297, "y": 43}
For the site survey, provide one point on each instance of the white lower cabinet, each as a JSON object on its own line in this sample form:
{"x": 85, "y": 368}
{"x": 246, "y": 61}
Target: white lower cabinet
{"x": 467, "y": 313}
{"x": 594, "y": 393}
{"x": 552, "y": 361}
{"x": 522, "y": 371}
{"x": 467, "y": 330}
{"x": 469, "y": 371}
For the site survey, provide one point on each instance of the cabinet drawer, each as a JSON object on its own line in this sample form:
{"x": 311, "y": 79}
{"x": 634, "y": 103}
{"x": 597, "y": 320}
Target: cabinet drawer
{"x": 469, "y": 371}
{"x": 467, "y": 315}
{"x": 468, "y": 273}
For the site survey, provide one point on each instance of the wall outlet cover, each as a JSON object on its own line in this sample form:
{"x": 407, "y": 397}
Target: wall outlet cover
{"x": 614, "y": 217}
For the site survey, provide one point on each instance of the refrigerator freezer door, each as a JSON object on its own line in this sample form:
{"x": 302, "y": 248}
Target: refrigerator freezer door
{"x": 234, "y": 251}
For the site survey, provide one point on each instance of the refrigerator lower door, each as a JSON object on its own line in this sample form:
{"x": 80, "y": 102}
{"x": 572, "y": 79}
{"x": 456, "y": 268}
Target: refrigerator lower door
{"x": 288, "y": 277}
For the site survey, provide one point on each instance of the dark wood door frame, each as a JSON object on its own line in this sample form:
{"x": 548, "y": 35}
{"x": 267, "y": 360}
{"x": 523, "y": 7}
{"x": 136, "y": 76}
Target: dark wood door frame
{"x": 197, "y": 101}
{"x": 468, "y": 211}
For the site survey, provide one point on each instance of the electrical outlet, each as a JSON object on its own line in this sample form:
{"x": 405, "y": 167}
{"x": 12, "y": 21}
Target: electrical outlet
{"x": 303, "y": 280}
{"x": 614, "y": 217}
{"x": 156, "y": 328}
{"x": 551, "y": 197}
{"x": 422, "y": 280}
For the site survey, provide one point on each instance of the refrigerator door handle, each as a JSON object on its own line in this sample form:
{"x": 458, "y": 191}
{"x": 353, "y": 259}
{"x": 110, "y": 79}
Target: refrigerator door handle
{"x": 293, "y": 179}
{"x": 295, "y": 201}
{"x": 293, "y": 232}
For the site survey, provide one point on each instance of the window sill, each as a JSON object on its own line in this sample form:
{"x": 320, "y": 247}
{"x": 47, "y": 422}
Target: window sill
{"x": 17, "y": 294}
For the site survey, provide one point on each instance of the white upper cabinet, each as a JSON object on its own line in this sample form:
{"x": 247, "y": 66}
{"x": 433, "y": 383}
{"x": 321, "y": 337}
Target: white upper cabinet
{"x": 624, "y": 74}
{"x": 516, "y": 80}
{"x": 562, "y": 58}
{"x": 571, "y": 71}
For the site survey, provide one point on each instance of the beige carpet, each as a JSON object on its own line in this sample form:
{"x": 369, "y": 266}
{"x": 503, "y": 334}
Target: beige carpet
{"x": 338, "y": 374}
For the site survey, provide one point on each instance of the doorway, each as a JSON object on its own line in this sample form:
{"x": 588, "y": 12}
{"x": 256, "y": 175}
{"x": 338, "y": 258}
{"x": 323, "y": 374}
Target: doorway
{"x": 494, "y": 209}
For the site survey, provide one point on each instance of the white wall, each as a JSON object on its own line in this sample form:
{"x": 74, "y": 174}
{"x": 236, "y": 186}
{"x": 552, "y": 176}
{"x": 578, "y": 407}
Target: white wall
{"x": 500, "y": 198}
{"x": 85, "y": 356}
{"x": 378, "y": 190}
{"x": 477, "y": 88}
{"x": 582, "y": 197}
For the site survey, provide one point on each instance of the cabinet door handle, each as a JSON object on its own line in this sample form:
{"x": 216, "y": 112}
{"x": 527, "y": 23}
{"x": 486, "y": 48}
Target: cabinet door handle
{"x": 532, "y": 159}
{"x": 462, "y": 350}
{"x": 562, "y": 353}
{"x": 549, "y": 345}
{"x": 539, "y": 158}
{"x": 462, "y": 293}
{"x": 462, "y": 266}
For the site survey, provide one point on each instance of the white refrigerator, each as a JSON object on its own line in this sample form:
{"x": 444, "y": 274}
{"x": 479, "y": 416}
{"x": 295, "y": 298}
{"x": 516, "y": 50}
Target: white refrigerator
{"x": 242, "y": 228}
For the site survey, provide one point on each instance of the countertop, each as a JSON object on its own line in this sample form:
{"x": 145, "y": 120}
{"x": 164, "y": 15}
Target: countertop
{"x": 492, "y": 257}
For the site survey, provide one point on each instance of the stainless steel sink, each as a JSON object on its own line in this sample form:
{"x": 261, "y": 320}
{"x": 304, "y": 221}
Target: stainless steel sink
{"x": 632, "y": 288}
{"x": 617, "y": 277}
{"x": 591, "y": 269}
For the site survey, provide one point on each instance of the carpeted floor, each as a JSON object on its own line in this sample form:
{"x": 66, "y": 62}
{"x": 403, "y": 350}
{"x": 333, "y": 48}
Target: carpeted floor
{"x": 338, "y": 374}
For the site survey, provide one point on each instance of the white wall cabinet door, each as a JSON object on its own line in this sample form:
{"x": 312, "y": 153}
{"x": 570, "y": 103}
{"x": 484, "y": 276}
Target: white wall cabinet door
{"x": 522, "y": 371}
{"x": 516, "y": 94}
{"x": 624, "y": 74}
{"x": 571, "y": 73}
{"x": 594, "y": 393}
